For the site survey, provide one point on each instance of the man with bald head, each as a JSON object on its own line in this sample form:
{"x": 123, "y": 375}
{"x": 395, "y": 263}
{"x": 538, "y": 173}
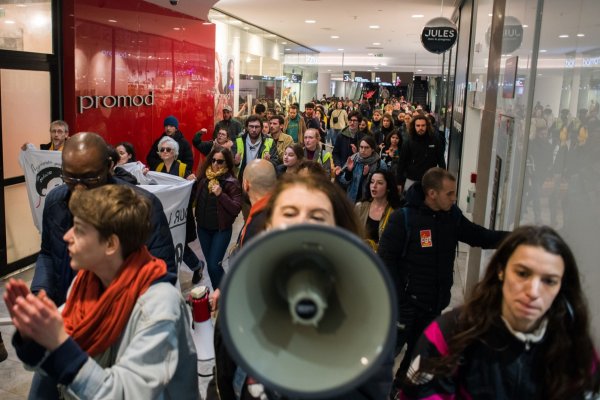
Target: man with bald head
{"x": 86, "y": 164}
{"x": 258, "y": 183}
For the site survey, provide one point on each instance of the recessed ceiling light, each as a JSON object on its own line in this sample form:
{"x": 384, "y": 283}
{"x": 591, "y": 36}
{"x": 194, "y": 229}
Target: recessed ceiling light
{"x": 9, "y": 21}
{"x": 283, "y": 42}
{"x": 417, "y": 16}
{"x": 176, "y": 29}
{"x": 525, "y": 26}
{"x": 376, "y": 44}
{"x": 112, "y": 20}
{"x": 368, "y": 70}
{"x": 373, "y": 26}
{"x": 419, "y": 70}
{"x": 288, "y": 49}
{"x": 563, "y": 36}
{"x": 580, "y": 35}
{"x": 328, "y": 70}
{"x": 340, "y": 49}
{"x": 543, "y": 51}
{"x": 489, "y": 15}
{"x": 310, "y": 21}
{"x": 335, "y": 37}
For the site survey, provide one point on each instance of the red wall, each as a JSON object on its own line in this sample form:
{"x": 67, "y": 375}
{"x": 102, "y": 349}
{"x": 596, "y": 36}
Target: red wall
{"x": 148, "y": 49}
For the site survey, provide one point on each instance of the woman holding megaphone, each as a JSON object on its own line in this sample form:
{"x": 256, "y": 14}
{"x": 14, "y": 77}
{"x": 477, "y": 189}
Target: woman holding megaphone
{"x": 318, "y": 196}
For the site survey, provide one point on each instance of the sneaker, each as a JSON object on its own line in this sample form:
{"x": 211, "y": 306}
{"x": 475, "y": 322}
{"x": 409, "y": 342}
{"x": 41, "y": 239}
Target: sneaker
{"x": 198, "y": 273}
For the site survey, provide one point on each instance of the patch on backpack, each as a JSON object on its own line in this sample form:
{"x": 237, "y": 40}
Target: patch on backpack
{"x": 426, "y": 238}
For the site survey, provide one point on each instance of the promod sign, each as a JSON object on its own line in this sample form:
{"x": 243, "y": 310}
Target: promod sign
{"x": 439, "y": 35}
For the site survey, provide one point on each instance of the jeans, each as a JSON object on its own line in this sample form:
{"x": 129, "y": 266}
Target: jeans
{"x": 214, "y": 244}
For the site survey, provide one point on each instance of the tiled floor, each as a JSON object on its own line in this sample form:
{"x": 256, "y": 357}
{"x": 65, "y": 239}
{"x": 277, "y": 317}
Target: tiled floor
{"x": 15, "y": 380}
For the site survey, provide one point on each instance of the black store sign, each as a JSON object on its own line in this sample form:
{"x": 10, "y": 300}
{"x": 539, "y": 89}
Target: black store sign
{"x": 439, "y": 35}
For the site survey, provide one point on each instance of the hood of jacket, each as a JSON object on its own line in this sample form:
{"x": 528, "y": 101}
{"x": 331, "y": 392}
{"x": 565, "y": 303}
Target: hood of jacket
{"x": 414, "y": 196}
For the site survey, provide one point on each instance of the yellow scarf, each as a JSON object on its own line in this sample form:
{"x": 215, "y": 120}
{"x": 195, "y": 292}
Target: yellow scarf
{"x": 212, "y": 177}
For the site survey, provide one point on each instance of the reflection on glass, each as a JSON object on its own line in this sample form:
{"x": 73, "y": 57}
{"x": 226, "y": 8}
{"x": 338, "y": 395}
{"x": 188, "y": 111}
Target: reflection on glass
{"x": 26, "y": 26}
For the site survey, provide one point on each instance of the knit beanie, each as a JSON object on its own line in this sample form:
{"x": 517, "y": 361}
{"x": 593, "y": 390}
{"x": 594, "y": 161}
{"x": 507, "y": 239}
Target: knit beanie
{"x": 171, "y": 120}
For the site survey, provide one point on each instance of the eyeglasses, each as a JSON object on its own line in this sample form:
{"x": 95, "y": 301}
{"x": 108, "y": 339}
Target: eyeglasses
{"x": 353, "y": 120}
{"x": 57, "y": 131}
{"x": 218, "y": 161}
{"x": 165, "y": 149}
{"x": 254, "y": 126}
{"x": 70, "y": 180}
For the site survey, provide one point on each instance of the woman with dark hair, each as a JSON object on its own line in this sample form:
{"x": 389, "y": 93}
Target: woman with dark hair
{"x": 380, "y": 200}
{"x": 523, "y": 333}
{"x": 390, "y": 153}
{"x": 363, "y": 127}
{"x": 387, "y": 127}
{"x": 126, "y": 153}
{"x": 218, "y": 196}
{"x": 357, "y": 168}
{"x": 292, "y": 156}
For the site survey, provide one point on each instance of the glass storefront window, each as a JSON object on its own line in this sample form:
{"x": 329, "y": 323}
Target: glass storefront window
{"x": 26, "y": 26}
{"x": 258, "y": 67}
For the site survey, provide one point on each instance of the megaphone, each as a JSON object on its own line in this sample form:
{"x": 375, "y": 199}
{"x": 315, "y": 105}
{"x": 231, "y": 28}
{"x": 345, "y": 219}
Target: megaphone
{"x": 308, "y": 311}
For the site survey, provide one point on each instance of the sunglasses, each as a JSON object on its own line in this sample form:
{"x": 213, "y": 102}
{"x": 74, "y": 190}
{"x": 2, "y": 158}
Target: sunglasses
{"x": 217, "y": 161}
{"x": 165, "y": 149}
{"x": 70, "y": 180}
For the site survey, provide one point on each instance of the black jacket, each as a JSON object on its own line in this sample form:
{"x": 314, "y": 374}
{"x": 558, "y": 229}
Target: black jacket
{"x": 185, "y": 151}
{"x": 419, "y": 153}
{"x": 342, "y": 149}
{"x": 422, "y": 265}
{"x": 497, "y": 366}
{"x": 53, "y": 272}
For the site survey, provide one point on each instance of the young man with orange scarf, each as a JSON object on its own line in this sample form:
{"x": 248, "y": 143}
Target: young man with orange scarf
{"x": 124, "y": 330}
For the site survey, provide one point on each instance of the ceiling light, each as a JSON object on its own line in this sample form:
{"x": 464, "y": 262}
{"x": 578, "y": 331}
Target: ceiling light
{"x": 419, "y": 70}
{"x": 310, "y": 21}
{"x": 9, "y": 21}
{"x": 340, "y": 49}
{"x": 376, "y": 44}
{"x": 489, "y": 15}
{"x": 376, "y": 68}
{"x": 580, "y": 35}
{"x": 417, "y": 16}
{"x": 246, "y": 28}
{"x": 288, "y": 49}
{"x": 563, "y": 36}
{"x": 112, "y": 20}
{"x": 543, "y": 51}
{"x": 368, "y": 70}
{"x": 176, "y": 29}
{"x": 335, "y": 37}
{"x": 373, "y": 26}
{"x": 525, "y": 26}
{"x": 370, "y": 54}
{"x": 328, "y": 70}
{"x": 283, "y": 42}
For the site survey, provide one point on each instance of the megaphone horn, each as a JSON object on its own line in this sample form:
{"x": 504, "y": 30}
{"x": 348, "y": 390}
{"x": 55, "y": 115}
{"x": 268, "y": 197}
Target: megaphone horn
{"x": 308, "y": 311}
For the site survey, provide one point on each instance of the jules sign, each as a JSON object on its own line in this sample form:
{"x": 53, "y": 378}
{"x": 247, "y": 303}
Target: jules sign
{"x": 87, "y": 102}
{"x": 439, "y": 35}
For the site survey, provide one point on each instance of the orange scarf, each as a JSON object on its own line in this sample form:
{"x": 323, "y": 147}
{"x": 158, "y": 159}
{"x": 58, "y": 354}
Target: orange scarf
{"x": 256, "y": 207}
{"x": 94, "y": 317}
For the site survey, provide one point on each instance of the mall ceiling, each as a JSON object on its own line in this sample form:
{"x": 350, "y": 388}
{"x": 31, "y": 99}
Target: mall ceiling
{"x": 385, "y": 34}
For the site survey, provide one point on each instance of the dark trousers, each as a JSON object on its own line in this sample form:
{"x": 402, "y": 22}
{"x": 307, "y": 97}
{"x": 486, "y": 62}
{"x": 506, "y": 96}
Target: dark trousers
{"x": 214, "y": 244}
{"x": 412, "y": 321}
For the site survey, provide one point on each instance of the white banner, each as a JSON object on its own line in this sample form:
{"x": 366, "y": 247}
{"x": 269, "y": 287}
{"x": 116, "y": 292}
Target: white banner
{"x": 174, "y": 194}
{"x": 43, "y": 169}
{"x": 43, "y": 172}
